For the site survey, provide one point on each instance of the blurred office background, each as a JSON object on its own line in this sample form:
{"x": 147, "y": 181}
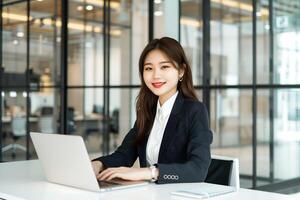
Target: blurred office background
{"x": 70, "y": 67}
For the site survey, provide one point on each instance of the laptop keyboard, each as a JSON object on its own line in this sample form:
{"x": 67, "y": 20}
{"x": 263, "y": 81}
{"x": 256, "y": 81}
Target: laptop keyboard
{"x": 104, "y": 184}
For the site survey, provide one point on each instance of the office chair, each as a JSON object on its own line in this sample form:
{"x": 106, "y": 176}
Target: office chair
{"x": 114, "y": 125}
{"x": 97, "y": 109}
{"x": 71, "y": 120}
{"x": 45, "y": 124}
{"x": 224, "y": 170}
{"x": 46, "y": 110}
{"x": 71, "y": 126}
{"x": 18, "y": 125}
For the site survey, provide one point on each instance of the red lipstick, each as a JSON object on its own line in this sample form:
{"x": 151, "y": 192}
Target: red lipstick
{"x": 158, "y": 84}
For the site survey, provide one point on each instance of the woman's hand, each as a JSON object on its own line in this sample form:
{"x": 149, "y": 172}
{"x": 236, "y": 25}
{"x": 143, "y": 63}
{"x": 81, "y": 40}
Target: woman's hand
{"x": 126, "y": 173}
{"x": 97, "y": 167}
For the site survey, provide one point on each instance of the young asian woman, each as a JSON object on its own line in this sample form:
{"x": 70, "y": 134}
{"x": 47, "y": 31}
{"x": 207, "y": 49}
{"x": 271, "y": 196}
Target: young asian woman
{"x": 171, "y": 135}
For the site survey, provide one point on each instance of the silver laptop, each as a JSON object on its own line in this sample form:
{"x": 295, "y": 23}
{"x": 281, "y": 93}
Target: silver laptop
{"x": 65, "y": 161}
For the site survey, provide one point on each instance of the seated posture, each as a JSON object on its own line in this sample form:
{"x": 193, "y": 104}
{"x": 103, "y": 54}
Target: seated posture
{"x": 171, "y": 135}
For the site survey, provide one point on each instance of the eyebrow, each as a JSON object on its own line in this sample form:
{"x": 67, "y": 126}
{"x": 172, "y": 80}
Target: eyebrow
{"x": 163, "y": 62}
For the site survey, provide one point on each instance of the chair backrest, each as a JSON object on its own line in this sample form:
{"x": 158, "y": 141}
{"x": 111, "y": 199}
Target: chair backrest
{"x": 47, "y": 110}
{"x": 224, "y": 170}
{"x": 46, "y": 124}
{"x": 114, "y": 121}
{"x": 18, "y": 126}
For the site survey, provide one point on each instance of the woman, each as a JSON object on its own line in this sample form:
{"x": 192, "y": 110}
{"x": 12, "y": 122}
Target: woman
{"x": 171, "y": 135}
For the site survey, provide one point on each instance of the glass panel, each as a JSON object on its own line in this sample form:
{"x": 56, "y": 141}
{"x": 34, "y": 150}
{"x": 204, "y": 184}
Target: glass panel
{"x": 263, "y": 43}
{"x": 286, "y": 42}
{"x": 231, "y": 122}
{"x": 120, "y": 40}
{"x": 135, "y": 93}
{"x": 120, "y": 12}
{"x": 85, "y": 45}
{"x": 87, "y": 108}
{"x": 14, "y": 125}
{"x": 286, "y": 134}
{"x": 231, "y": 42}
{"x": 86, "y": 42}
{"x": 191, "y": 36}
{"x": 45, "y": 110}
{"x": 14, "y": 44}
{"x": 263, "y": 137}
{"x": 44, "y": 113}
{"x": 45, "y": 42}
{"x": 199, "y": 94}
{"x": 120, "y": 114}
{"x": 120, "y": 72}
{"x": 166, "y": 17}
{"x": 129, "y": 36}
{"x": 140, "y": 35}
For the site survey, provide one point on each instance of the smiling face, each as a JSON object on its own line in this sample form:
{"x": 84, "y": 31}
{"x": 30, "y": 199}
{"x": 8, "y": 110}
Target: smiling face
{"x": 160, "y": 75}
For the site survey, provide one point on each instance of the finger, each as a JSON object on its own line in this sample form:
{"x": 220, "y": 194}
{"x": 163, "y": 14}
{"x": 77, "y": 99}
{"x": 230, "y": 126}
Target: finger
{"x": 100, "y": 175}
{"x": 113, "y": 175}
{"x": 108, "y": 170}
{"x": 107, "y": 174}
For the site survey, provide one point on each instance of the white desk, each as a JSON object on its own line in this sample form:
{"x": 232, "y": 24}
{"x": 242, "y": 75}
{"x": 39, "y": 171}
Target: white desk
{"x": 24, "y": 179}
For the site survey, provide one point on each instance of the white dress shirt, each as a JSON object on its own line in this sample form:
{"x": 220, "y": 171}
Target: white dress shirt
{"x": 158, "y": 129}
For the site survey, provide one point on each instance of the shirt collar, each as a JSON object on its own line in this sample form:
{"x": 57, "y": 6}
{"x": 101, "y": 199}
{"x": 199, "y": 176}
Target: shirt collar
{"x": 166, "y": 108}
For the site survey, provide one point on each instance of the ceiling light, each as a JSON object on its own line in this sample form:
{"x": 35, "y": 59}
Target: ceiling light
{"x": 20, "y": 34}
{"x": 258, "y": 14}
{"x": 89, "y": 7}
{"x": 267, "y": 26}
{"x": 13, "y": 94}
{"x": 190, "y": 22}
{"x": 15, "y": 42}
{"x": 157, "y": 1}
{"x": 158, "y": 13}
{"x": 13, "y": 16}
{"x": 3, "y": 94}
{"x": 100, "y": 3}
{"x": 80, "y": 8}
{"x": 240, "y": 5}
{"x": 24, "y": 94}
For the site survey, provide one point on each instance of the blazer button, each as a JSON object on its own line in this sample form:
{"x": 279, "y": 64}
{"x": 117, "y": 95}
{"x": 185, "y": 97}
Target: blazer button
{"x": 165, "y": 176}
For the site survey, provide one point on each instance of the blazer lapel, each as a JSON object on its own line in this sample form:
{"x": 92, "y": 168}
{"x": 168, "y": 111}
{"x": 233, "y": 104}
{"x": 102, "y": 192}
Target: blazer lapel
{"x": 171, "y": 126}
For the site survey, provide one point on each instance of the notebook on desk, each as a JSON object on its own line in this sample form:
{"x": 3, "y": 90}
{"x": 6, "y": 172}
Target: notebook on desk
{"x": 65, "y": 160}
{"x": 204, "y": 191}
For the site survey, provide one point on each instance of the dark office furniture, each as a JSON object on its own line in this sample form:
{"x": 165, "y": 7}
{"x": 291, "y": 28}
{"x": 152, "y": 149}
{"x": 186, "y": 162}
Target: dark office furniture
{"x": 114, "y": 126}
{"x": 70, "y": 121}
{"x": 223, "y": 171}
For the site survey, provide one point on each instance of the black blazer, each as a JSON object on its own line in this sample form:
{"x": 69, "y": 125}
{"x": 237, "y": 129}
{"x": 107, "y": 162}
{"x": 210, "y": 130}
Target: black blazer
{"x": 184, "y": 154}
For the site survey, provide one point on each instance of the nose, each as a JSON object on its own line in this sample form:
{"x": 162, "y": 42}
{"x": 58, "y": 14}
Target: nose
{"x": 156, "y": 72}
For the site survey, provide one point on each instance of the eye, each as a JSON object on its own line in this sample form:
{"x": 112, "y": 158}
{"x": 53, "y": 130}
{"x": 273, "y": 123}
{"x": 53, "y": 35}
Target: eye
{"x": 147, "y": 68}
{"x": 165, "y": 67}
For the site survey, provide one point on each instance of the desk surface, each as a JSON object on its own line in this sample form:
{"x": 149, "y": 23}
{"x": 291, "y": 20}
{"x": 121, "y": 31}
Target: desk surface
{"x": 7, "y": 119}
{"x": 25, "y": 179}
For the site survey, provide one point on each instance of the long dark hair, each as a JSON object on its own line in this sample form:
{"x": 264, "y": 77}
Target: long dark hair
{"x": 146, "y": 100}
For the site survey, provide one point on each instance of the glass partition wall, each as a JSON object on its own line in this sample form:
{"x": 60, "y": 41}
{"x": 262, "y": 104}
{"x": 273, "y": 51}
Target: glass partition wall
{"x": 252, "y": 67}
{"x": 244, "y": 56}
{"x": 30, "y": 74}
{"x": 101, "y": 71}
